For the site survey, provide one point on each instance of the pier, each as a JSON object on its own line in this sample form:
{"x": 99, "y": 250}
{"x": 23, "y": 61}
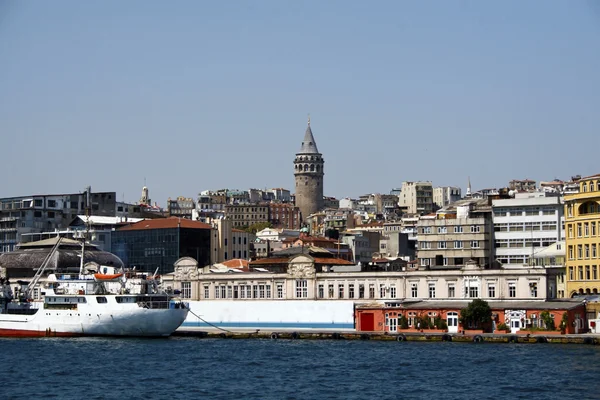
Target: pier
{"x": 401, "y": 337}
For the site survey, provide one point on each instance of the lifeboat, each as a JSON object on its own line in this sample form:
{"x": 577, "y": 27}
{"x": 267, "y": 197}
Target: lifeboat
{"x": 107, "y": 277}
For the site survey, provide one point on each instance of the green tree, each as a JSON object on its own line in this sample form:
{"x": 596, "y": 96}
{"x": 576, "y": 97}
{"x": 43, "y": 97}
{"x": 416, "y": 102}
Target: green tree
{"x": 478, "y": 314}
{"x": 257, "y": 227}
{"x": 548, "y": 321}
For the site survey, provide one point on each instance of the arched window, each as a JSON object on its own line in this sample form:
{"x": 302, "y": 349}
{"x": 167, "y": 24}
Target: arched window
{"x": 312, "y": 167}
{"x": 592, "y": 187}
{"x": 318, "y": 168}
{"x": 305, "y": 167}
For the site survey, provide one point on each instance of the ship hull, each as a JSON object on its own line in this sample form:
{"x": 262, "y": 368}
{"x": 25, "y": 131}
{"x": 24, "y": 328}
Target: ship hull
{"x": 94, "y": 320}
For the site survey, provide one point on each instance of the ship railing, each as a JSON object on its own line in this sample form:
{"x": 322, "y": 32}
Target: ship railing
{"x": 154, "y": 304}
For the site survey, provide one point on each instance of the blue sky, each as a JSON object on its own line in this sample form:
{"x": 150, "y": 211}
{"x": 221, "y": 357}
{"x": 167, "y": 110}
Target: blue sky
{"x": 195, "y": 95}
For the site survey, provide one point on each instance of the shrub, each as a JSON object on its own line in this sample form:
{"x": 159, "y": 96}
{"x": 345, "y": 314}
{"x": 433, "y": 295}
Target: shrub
{"x": 443, "y": 325}
{"x": 548, "y": 320}
{"x": 424, "y": 322}
{"x": 403, "y": 322}
{"x": 502, "y": 327}
{"x": 564, "y": 322}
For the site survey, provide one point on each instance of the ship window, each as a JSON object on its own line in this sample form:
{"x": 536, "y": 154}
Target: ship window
{"x": 101, "y": 299}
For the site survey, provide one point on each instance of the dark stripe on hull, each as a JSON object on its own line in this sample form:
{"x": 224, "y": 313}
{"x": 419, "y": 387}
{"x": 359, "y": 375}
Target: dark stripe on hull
{"x": 26, "y": 333}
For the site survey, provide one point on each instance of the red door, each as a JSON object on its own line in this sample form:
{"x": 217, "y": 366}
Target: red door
{"x": 367, "y": 322}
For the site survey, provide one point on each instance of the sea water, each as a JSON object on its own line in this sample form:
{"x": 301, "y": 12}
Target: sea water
{"x": 191, "y": 368}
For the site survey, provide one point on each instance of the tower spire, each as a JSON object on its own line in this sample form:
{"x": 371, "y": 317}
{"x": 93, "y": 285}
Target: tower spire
{"x": 308, "y": 119}
{"x": 469, "y": 186}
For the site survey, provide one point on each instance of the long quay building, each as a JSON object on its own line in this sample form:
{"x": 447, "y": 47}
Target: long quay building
{"x": 312, "y": 289}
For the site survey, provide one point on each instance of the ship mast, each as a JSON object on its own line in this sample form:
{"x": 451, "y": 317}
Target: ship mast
{"x": 87, "y": 228}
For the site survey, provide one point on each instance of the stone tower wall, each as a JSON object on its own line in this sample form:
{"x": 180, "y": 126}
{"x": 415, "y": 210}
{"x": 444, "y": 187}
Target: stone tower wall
{"x": 309, "y": 192}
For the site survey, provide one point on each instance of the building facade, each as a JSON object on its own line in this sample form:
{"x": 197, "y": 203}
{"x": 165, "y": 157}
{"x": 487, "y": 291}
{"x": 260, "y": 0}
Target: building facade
{"x": 42, "y": 213}
{"x": 245, "y": 215}
{"x": 416, "y": 197}
{"x": 582, "y": 218}
{"x": 156, "y": 244}
{"x": 522, "y": 185}
{"x": 445, "y": 195}
{"x": 451, "y": 238}
{"x": 230, "y": 243}
{"x": 309, "y": 172}
{"x": 284, "y": 215}
{"x": 182, "y": 207}
{"x": 526, "y": 224}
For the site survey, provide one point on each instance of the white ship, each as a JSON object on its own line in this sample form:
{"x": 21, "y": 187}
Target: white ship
{"x": 97, "y": 301}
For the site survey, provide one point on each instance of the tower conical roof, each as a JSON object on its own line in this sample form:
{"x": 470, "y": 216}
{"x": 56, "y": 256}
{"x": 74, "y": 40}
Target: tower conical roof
{"x": 309, "y": 146}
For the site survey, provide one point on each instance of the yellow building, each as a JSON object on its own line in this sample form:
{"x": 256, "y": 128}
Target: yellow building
{"x": 582, "y": 225}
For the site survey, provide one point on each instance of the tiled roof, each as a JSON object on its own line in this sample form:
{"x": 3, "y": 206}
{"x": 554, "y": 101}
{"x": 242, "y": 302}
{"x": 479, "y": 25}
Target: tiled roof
{"x": 332, "y": 261}
{"x": 315, "y": 239}
{"x": 264, "y": 261}
{"x": 318, "y": 260}
{"x": 238, "y": 231}
{"x": 166, "y": 223}
{"x": 236, "y": 263}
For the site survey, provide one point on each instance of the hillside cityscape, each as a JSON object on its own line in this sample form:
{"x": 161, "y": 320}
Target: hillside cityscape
{"x": 525, "y": 241}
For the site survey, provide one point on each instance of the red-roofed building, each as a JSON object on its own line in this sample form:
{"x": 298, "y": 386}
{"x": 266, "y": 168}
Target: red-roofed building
{"x": 156, "y": 244}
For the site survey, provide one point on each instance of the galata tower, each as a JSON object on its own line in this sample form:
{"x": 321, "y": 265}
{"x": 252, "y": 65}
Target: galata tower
{"x": 308, "y": 171}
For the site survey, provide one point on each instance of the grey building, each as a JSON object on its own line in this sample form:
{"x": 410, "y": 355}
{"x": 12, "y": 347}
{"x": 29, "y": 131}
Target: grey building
{"x": 308, "y": 173}
{"x": 462, "y": 232}
{"x": 49, "y": 212}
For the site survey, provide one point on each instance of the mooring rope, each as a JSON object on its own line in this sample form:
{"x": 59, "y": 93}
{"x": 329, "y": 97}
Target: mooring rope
{"x": 203, "y": 320}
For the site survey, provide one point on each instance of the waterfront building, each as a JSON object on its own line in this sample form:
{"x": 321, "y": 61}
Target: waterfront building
{"x": 48, "y": 212}
{"x": 525, "y": 224}
{"x": 416, "y": 197}
{"x": 582, "y": 217}
{"x": 309, "y": 172}
{"x": 461, "y": 232}
{"x": 519, "y": 317}
{"x": 156, "y": 244}
{"x": 445, "y": 195}
{"x": 313, "y": 274}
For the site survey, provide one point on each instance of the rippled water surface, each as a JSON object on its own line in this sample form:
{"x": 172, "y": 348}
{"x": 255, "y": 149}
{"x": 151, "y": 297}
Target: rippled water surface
{"x": 189, "y": 368}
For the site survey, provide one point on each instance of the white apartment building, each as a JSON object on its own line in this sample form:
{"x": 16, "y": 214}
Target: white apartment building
{"x": 442, "y": 196}
{"x": 526, "y": 224}
{"x": 416, "y": 197}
